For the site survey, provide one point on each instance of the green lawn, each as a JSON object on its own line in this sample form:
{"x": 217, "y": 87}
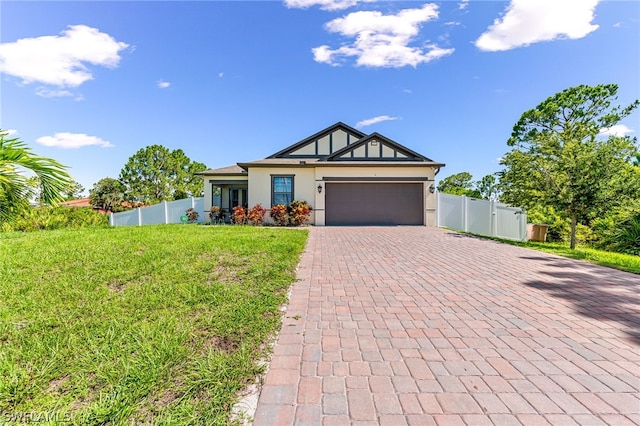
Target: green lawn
{"x": 156, "y": 324}
{"x": 623, "y": 262}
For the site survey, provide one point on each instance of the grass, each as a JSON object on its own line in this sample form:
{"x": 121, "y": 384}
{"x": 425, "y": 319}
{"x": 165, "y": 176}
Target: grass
{"x": 156, "y": 324}
{"x": 623, "y": 262}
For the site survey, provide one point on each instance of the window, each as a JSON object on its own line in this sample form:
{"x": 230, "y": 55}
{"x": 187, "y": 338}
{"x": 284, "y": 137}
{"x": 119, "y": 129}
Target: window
{"x": 281, "y": 190}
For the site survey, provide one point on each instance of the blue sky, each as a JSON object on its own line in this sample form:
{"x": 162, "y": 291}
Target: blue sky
{"x": 90, "y": 83}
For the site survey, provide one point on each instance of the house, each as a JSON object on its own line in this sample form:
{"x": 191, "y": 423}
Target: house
{"x": 348, "y": 177}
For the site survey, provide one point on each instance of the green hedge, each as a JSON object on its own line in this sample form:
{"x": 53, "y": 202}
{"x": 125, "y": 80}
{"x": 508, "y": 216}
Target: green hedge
{"x": 47, "y": 218}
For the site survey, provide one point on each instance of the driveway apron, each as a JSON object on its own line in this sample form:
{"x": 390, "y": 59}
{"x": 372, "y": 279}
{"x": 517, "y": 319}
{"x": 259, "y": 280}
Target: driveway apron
{"x": 419, "y": 325}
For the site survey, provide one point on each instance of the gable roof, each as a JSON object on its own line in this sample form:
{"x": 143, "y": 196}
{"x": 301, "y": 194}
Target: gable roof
{"x": 290, "y": 150}
{"x": 233, "y": 170}
{"x": 395, "y": 151}
{"x": 337, "y": 145}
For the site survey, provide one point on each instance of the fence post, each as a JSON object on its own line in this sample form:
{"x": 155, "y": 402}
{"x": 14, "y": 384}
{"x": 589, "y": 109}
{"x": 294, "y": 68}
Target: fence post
{"x": 139, "y": 216}
{"x": 166, "y": 212}
{"x": 465, "y": 213}
{"x": 110, "y": 218}
{"x": 437, "y": 209}
{"x": 494, "y": 217}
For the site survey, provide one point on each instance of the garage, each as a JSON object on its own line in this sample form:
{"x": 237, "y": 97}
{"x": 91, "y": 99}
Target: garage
{"x": 374, "y": 203}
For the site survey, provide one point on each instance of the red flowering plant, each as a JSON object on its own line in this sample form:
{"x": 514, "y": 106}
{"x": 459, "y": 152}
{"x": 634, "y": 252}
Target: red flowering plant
{"x": 299, "y": 212}
{"x": 192, "y": 215}
{"x": 239, "y": 215}
{"x": 255, "y": 215}
{"x": 216, "y": 214}
{"x": 279, "y": 214}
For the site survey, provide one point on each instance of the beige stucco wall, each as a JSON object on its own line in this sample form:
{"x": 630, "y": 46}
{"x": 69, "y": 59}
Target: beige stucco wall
{"x": 307, "y": 179}
{"x": 376, "y": 172}
{"x": 303, "y": 185}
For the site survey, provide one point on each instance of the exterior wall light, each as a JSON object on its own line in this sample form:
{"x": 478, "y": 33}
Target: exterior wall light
{"x": 432, "y": 188}
{"x": 319, "y": 188}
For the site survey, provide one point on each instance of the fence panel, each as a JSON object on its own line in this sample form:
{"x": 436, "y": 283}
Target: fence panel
{"x": 128, "y": 218}
{"x": 450, "y": 211}
{"x": 178, "y": 208}
{"x": 165, "y": 212}
{"x": 153, "y": 215}
{"x": 511, "y": 222}
{"x": 480, "y": 217}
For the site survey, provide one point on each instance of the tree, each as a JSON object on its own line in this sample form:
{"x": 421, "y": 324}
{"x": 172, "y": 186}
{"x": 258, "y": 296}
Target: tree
{"x": 71, "y": 192}
{"x": 488, "y": 187}
{"x": 107, "y": 194}
{"x": 459, "y": 184}
{"x": 15, "y": 191}
{"x": 560, "y": 159}
{"x": 155, "y": 174}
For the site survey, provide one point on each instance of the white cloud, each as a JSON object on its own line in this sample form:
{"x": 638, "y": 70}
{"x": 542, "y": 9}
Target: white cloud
{"x": 60, "y": 60}
{"x": 324, "y": 4}
{"x": 58, "y": 93}
{"x": 452, "y": 23}
{"x": 221, "y": 74}
{"x": 72, "y": 141}
{"x": 617, "y": 130}
{"x": 617, "y": 25}
{"x": 409, "y": 91}
{"x": 163, "y": 84}
{"x": 9, "y": 132}
{"x": 530, "y": 21}
{"x": 382, "y": 40}
{"x": 463, "y": 4}
{"x": 374, "y": 120}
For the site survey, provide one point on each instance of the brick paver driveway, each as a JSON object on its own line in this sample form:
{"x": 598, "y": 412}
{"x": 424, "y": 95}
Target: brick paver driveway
{"x": 413, "y": 325}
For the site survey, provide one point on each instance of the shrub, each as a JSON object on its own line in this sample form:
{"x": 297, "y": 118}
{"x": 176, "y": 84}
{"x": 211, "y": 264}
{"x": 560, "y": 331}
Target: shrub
{"x": 279, "y": 215}
{"x": 192, "y": 215}
{"x": 620, "y": 231}
{"x": 299, "y": 212}
{"x": 559, "y": 227}
{"x": 239, "y": 215}
{"x": 255, "y": 215}
{"x": 628, "y": 236}
{"x": 49, "y": 218}
{"x": 216, "y": 214}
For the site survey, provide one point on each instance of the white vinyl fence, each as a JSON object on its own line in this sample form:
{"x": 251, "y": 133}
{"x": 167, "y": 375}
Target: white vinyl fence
{"x": 482, "y": 217}
{"x": 165, "y": 212}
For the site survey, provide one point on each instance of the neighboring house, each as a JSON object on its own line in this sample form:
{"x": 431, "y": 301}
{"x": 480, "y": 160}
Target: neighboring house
{"x": 82, "y": 202}
{"x": 78, "y": 202}
{"x": 348, "y": 178}
{"x": 86, "y": 202}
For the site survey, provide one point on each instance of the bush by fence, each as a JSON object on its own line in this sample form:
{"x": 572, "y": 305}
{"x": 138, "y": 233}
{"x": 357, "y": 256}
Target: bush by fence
{"x": 49, "y": 218}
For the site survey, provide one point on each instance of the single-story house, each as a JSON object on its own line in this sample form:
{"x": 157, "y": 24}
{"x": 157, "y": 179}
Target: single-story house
{"x": 347, "y": 177}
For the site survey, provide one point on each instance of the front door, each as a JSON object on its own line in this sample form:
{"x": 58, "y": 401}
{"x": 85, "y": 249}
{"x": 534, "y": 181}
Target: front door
{"x": 238, "y": 197}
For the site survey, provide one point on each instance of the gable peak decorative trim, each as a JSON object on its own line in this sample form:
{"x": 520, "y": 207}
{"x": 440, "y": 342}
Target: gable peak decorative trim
{"x": 309, "y": 146}
{"x": 376, "y": 147}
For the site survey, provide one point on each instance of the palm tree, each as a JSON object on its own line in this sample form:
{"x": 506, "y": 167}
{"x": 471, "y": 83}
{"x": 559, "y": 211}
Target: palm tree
{"x": 16, "y": 158}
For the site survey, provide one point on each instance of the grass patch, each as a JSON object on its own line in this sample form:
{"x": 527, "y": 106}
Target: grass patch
{"x": 155, "y": 324}
{"x": 623, "y": 262}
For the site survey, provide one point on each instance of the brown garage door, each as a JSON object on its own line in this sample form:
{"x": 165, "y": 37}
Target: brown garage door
{"x": 374, "y": 203}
